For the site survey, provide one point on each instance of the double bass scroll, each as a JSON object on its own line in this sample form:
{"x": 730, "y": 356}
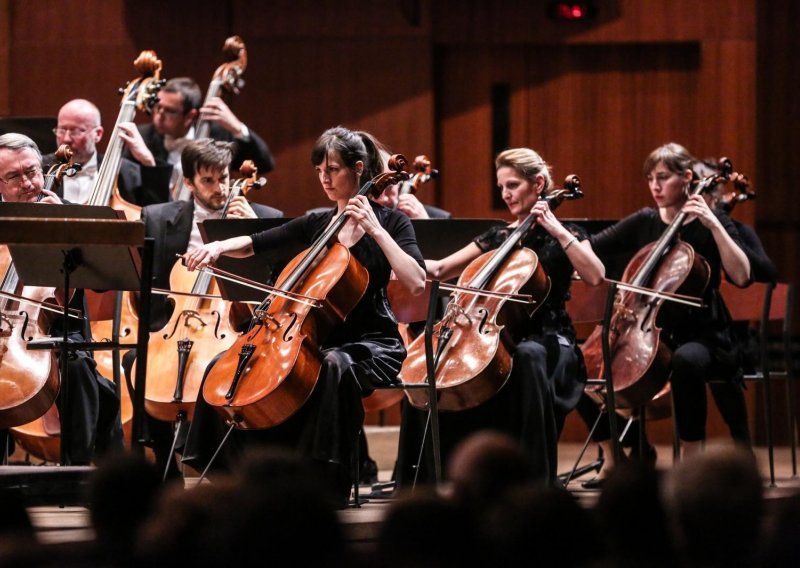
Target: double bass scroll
{"x": 227, "y": 77}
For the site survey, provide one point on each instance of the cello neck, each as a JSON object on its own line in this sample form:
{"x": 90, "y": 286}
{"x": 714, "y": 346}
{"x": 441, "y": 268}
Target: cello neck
{"x": 481, "y": 279}
{"x": 668, "y": 237}
{"x": 319, "y": 245}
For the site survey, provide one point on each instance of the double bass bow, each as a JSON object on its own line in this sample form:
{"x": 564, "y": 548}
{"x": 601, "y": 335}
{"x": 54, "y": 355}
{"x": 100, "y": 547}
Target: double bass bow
{"x": 656, "y": 273}
{"x": 201, "y": 325}
{"x": 227, "y": 77}
{"x": 270, "y": 371}
{"x": 472, "y": 343}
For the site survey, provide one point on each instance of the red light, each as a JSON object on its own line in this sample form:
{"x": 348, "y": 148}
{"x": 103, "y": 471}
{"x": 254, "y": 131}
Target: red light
{"x": 571, "y": 11}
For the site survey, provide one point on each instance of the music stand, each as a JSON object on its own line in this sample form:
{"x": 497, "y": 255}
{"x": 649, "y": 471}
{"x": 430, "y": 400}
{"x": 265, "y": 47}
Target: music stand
{"x": 262, "y": 267}
{"x": 49, "y": 249}
{"x": 438, "y": 238}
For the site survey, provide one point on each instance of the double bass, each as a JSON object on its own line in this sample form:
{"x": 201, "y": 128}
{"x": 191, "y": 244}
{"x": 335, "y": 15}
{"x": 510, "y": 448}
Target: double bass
{"x": 202, "y": 324}
{"x": 665, "y": 269}
{"x": 270, "y": 371}
{"x": 473, "y": 345}
{"x": 227, "y": 78}
{"x": 140, "y": 94}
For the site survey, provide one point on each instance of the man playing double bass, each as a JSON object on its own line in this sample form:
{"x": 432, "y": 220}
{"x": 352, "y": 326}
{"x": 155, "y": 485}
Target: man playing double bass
{"x": 80, "y": 126}
{"x": 173, "y": 127}
{"x": 93, "y": 403}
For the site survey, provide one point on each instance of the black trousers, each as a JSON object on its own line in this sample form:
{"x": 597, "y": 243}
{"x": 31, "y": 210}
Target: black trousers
{"x": 92, "y": 409}
{"x": 692, "y": 367}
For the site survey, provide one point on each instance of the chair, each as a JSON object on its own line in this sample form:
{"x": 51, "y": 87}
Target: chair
{"x": 765, "y": 303}
{"x": 432, "y": 422}
{"x": 589, "y": 306}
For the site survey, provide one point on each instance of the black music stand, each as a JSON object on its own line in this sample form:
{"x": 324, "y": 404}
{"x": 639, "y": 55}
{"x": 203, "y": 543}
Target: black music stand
{"x": 50, "y": 249}
{"x": 262, "y": 267}
{"x": 438, "y": 238}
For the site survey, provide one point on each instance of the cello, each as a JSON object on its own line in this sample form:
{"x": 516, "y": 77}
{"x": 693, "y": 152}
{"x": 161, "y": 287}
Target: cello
{"x": 270, "y": 371}
{"x": 29, "y": 380}
{"x": 424, "y": 172}
{"x": 472, "y": 342}
{"x": 202, "y": 324}
{"x": 227, "y": 77}
{"x": 657, "y": 272}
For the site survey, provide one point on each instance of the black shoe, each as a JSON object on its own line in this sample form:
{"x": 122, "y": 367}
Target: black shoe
{"x": 368, "y": 474}
{"x": 596, "y": 483}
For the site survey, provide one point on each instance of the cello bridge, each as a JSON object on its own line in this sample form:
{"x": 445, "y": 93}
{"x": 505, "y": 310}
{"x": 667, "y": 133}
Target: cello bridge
{"x": 624, "y": 312}
{"x": 6, "y": 327}
{"x": 265, "y": 318}
{"x": 454, "y": 311}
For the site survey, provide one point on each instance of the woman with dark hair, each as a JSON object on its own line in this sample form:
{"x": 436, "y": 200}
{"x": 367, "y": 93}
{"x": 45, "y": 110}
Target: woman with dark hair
{"x": 701, "y": 343}
{"x": 365, "y": 350}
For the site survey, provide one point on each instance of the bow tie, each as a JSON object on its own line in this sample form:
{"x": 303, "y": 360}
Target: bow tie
{"x": 175, "y": 144}
{"x": 88, "y": 171}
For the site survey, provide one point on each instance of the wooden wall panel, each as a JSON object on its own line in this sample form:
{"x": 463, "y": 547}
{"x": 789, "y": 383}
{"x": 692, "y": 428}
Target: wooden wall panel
{"x": 596, "y": 111}
{"x": 59, "y": 53}
{"x": 5, "y": 57}
{"x": 358, "y": 84}
{"x": 630, "y": 21}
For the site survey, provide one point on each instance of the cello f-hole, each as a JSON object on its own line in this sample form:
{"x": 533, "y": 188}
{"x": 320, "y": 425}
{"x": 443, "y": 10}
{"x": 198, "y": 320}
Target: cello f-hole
{"x": 484, "y": 313}
{"x": 216, "y": 326}
{"x": 286, "y": 336}
{"x": 25, "y": 319}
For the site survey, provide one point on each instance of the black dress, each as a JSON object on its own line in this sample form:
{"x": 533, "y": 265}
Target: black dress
{"x": 364, "y": 351}
{"x": 545, "y": 382}
{"x": 700, "y": 338}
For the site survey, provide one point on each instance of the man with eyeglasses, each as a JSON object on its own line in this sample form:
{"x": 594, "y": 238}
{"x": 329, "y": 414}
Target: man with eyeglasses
{"x": 93, "y": 403}
{"x": 80, "y": 127}
{"x": 173, "y": 127}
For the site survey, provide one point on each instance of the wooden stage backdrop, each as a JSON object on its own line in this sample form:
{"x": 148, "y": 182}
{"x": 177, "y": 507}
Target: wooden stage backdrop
{"x": 457, "y": 80}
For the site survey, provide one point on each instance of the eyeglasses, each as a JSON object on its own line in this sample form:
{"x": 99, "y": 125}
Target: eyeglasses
{"x": 16, "y": 179}
{"x": 73, "y": 132}
{"x": 167, "y": 111}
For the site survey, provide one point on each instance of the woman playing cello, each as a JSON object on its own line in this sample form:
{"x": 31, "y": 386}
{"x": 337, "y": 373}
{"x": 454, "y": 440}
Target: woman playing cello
{"x": 547, "y": 373}
{"x": 701, "y": 341}
{"x": 363, "y": 351}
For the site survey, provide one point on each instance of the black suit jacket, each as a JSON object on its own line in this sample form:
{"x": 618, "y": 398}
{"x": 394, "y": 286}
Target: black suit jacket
{"x": 254, "y": 149}
{"x": 132, "y": 181}
{"x": 170, "y": 225}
